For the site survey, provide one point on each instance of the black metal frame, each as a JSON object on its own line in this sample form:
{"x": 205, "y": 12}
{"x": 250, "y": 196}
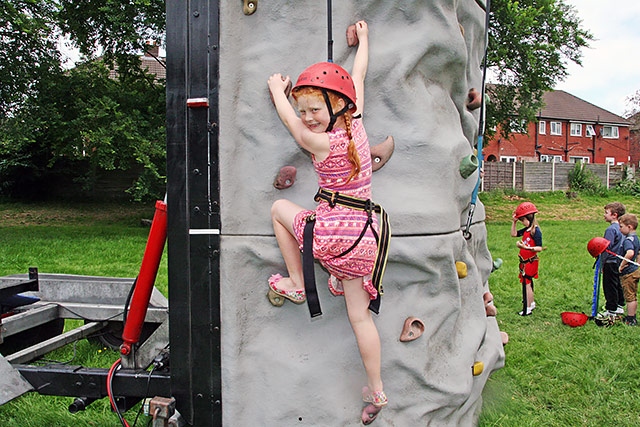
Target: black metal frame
{"x": 193, "y": 199}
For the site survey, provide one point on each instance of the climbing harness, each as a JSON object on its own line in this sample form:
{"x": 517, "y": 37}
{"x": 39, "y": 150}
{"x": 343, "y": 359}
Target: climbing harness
{"x": 474, "y": 196}
{"x": 382, "y": 239}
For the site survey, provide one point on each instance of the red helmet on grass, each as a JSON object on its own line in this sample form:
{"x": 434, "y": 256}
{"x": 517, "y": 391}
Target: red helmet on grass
{"x": 525, "y": 208}
{"x": 597, "y": 245}
{"x": 573, "y": 319}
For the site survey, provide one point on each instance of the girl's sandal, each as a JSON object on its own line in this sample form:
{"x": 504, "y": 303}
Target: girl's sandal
{"x": 277, "y": 296}
{"x": 376, "y": 401}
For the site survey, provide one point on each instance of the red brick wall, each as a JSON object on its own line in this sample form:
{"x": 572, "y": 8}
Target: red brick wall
{"x": 530, "y": 147}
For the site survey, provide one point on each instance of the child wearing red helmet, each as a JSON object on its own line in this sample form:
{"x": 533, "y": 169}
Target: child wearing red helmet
{"x": 529, "y": 245}
{"x": 345, "y": 233}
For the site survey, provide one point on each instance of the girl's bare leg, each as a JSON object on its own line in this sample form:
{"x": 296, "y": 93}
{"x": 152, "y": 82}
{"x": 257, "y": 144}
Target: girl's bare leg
{"x": 357, "y": 300}
{"x": 283, "y": 213}
{"x": 529, "y": 290}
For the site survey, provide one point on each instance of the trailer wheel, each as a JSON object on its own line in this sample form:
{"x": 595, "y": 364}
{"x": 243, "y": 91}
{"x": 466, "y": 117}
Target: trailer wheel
{"x": 111, "y": 335}
{"x": 26, "y": 339}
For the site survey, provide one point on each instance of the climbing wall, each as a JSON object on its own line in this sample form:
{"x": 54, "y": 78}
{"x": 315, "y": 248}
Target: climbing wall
{"x": 281, "y": 368}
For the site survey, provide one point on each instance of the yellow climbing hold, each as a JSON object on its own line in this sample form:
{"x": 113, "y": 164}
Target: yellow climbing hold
{"x": 477, "y": 368}
{"x": 461, "y": 268}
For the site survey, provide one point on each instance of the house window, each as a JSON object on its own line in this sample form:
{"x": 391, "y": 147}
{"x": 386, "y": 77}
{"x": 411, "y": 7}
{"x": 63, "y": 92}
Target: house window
{"x": 508, "y": 159}
{"x": 610, "y": 131}
{"x": 556, "y": 128}
{"x": 576, "y": 129}
{"x": 579, "y": 159}
{"x": 589, "y": 131}
{"x": 610, "y": 161}
{"x": 548, "y": 158}
{"x": 542, "y": 127}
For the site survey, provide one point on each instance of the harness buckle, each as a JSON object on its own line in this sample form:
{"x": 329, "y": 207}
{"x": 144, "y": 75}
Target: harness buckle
{"x": 332, "y": 202}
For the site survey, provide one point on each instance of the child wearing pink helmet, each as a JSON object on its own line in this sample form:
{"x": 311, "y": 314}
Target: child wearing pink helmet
{"x": 529, "y": 244}
{"x": 345, "y": 236}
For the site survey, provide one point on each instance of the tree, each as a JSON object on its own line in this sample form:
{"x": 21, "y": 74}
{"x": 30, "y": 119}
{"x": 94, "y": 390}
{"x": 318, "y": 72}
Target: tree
{"x": 27, "y": 48}
{"x": 633, "y": 113}
{"x": 68, "y": 126}
{"x": 530, "y": 44}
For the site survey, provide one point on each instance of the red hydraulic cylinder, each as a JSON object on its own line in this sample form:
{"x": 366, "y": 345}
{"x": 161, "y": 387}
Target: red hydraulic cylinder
{"x": 146, "y": 278}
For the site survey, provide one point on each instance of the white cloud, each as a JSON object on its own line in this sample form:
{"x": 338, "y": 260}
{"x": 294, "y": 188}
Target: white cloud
{"x": 610, "y": 69}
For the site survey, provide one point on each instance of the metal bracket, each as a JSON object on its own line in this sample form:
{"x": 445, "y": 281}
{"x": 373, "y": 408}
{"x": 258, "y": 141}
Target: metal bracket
{"x": 250, "y": 6}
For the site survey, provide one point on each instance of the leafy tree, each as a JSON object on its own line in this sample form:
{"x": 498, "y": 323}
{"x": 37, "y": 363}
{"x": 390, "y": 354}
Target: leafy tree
{"x": 633, "y": 113}
{"x": 66, "y": 127}
{"x": 115, "y": 29}
{"x": 530, "y": 44}
{"x": 27, "y": 47}
{"x": 80, "y": 123}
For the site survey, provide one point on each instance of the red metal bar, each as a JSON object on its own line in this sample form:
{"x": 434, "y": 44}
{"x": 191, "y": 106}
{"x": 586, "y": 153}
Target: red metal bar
{"x": 146, "y": 278}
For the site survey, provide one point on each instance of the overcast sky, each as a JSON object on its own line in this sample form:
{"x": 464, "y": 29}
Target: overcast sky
{"x": 610, "y": 69}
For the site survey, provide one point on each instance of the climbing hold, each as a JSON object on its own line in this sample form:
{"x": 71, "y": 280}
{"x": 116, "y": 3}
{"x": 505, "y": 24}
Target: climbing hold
{"x": 461, "y": 268}
{"x": 474, "y": 99}
{"x": 505, "y": 337}
{"x": 286, "y": 177}
{"x": 477, "y": 368}
{"x": 249, "y": 7}
{"x": 497, "y": 263}
{"x": 275, "y": 299}
{"x": 412, "y": 329}
{"x": 352, "y": 36}
{"x": 489, "y": 308}
{"x": 381, "y": 153}
{"x": 468, "y": 165}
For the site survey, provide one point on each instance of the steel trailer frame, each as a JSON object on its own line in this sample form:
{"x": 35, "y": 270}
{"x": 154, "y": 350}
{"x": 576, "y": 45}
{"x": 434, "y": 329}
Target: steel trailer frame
{"x": 194, "y": 377}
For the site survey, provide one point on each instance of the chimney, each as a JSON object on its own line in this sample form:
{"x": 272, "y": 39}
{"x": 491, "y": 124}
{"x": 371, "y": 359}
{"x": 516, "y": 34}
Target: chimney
{"x": 152, "y": 50}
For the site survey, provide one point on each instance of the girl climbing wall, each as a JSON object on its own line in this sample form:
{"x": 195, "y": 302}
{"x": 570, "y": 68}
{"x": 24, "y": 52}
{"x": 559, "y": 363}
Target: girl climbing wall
{"x": 346, "y": 233}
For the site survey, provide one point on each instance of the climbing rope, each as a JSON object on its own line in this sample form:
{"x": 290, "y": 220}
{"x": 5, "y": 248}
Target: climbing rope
{"x": 481, "y": 125}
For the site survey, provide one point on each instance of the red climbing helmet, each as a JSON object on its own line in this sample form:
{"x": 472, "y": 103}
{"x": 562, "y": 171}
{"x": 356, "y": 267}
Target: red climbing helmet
{"x": 525, "y": 208}
{"x": 573, "y": 319}
{"x": 597, "y": 245}
{"x": 327, "y": 75}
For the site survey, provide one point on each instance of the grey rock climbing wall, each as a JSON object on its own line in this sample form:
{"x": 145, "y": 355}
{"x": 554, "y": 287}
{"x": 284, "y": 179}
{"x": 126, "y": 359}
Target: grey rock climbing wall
{"x": 280, "y": 368}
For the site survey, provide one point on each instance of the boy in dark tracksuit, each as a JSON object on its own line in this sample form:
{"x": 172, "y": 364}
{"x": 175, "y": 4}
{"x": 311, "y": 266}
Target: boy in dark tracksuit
{"x": 610, "y": 276}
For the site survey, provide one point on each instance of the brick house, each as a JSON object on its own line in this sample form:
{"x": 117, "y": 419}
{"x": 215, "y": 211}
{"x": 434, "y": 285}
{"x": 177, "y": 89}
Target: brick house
{"x": 568, "y": 129}
{"x": 634, "y": 139}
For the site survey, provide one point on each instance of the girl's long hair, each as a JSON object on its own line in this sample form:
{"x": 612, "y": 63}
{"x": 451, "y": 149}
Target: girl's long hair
{"x": 533, "y": 222}
{"x": 352, "y": 152}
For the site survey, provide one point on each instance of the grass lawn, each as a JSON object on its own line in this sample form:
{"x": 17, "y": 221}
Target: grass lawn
{"x": 554, "y": 375}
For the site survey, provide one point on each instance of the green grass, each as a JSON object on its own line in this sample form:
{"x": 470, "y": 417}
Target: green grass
{"x": 105, "y": 240}
{"x": 554, "y": 375}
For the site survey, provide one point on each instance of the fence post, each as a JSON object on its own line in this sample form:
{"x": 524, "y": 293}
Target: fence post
{"x": 513, "y": 176}
{"x": 608, "y": 175}
{"x": 553, "y": 175}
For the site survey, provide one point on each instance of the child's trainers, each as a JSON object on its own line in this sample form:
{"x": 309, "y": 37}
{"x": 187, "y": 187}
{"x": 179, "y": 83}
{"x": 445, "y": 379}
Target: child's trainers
{"x": 630, "y": 320}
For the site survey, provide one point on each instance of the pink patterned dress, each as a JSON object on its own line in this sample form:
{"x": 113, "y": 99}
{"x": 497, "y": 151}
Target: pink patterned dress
{"x": 337, "y": 228}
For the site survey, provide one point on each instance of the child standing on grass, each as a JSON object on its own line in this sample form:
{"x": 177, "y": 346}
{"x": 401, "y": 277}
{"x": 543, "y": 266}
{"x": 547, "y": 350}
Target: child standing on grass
{"x": 629, "y": 272}
{"x": 611, "y": 287}
{"x": 329, "y": 102}
{"x": 529, "y": 245}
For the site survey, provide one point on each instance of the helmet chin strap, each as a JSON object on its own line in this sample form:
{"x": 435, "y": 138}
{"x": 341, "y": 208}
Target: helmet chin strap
{"x": 332, "y": 116}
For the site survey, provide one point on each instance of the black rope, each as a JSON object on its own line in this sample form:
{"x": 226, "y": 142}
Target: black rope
{"x": 329, "y": 32}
